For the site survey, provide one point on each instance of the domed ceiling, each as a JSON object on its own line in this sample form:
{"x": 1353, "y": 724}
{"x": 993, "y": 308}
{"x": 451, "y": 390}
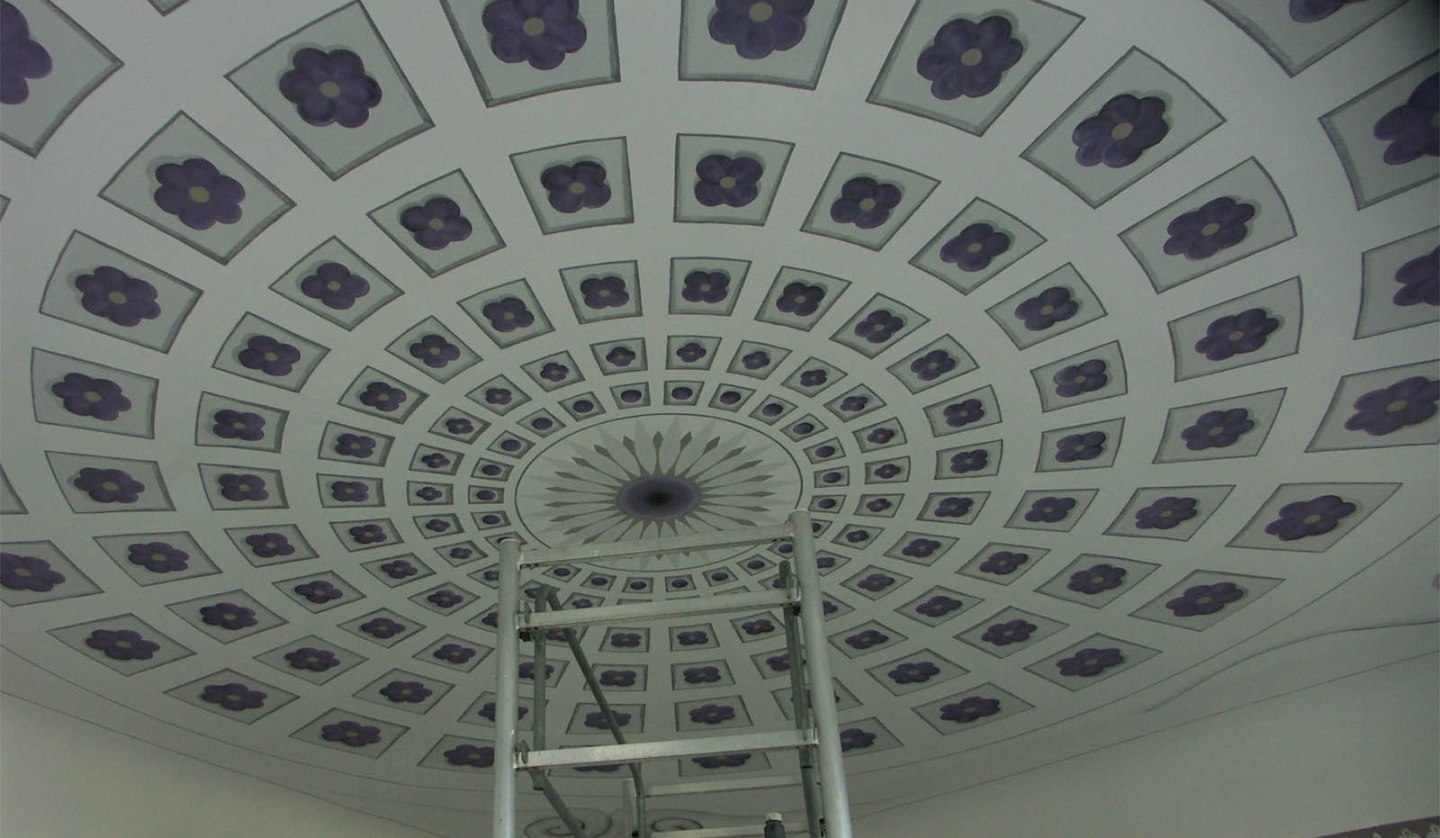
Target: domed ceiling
{"x": 1099, "y": 338}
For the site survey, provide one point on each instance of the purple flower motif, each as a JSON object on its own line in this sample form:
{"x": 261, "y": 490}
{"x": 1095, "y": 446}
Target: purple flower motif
{"x": 852, "y": 404}
{"x": 1305, "y": 518}
{"x": 733, "y": 182}
{"x": 228, "y": 616}
{"x": 969, "y": 58}
{"x": 508, "y": 314}
{"x": 814, "y": 378}
{"x": 471, "y": 756}
{"x": 938, "y": 606}
{"x": 757, "y": 28}
{"x": 1407, "y": 402}
{"x": 800, "y": 299}
{"x": 887, "y": 471}
{"x": 758, "y": 627}
{"x": 1413, "y": 129}
{"x": 158, "y": 557}
{"x": 1121, "y": 131}
{"x": 1051, "y": 306}
{"x": 880, "y": 436}
{"x": 399, "y": 569}
{"x": 1166, "y": 513}
{"x": 116, "y": 296}
{"x": 701, "y": 674}
{"x": 354, "y": 445}
{"x": 1003, "y": 634}
{"x": 878, "y": 504}
{"x": 28, "y": 573}
{"x": 969, "y": 709}
{"x": 459, "y": 426}
{"x": 198, "y": 194}
{"x": 711, "y": 714}
{"x": 721, "y": 761}
{"x": 1082, "y": 446}
{"x": 1217, "y": 429}
{"x": 460, "y": 553}
{"x": 953, "y": 507}
{"x": 434, "y": 351}
{"x": 879, "y": 326}
{"x": 1309, "y": 11}
{"x": 779, "y": 663}
{"x": 963, "y": 413}
{"x": 330, "y": 87}
{"x": 368, "y": 534}
{"x": 406, "y": 692}
{"x": 974, "y": 247}
{"x": 1087, "y": 663}
{"x": 350, "y": 733}
{"x": 1237, "y": 334}
{"x": 383, "y": 628}
{"x": 705, "y": 286}
{"x": 334, "y": 286}
{"x": 319, "y": 591}
{"x": 932, "y": 364}
{"x": 602, "y": 292}
{"x": 876, "y": 582}
{"x": 1003, "y": 562}
{"x": 917, "y": 672}
{"x": 383, "y": 397}
{"x": 866, "y": 639}
{"x": 865, "y": 202}
{"x": 573, "y": 188}
{"x": 756, "y": 360}
{"x": 615, "y": 677}
{"x": 1097, "y": 579}
{"x": 968, "y": 461}
{"x": 596, "y": 719}
{"x": 21, "y": 57}
{"x": 268, "y": 545}
{"x": 428, "y": 493}
{"x": 268, "y": 355}
{"x": 1201, "y": 233}
{"x": 232, "y": 696}
{"x": 108, "y": 485}
{"x": 122, "y": 645}
{"x": 98, "y": 398}
{"x": 435, "y": 460}
{"x": 436, "y": 224}
{"x": 311, "y": 659}
{"x": 349, "y": 491}
{"x": 1049, "y": 510}
{"x": 625, "y": 640}
{"x": 1420, "y": 280}
{"x": 1080, "y": 378}
{"x": 1205, "y": 599}
{"x": 437, "y": 525}
{"x": 237, "y": 424}
{"x": 692, "y": 638}
{"x": 855, "y": 738}
{"x": 541, "y": 32}
{"x": 445, "y": 599}
{"x": 243, "y": 487}
{"x": 454, "y": 653}
{"x": 920, "y": 548}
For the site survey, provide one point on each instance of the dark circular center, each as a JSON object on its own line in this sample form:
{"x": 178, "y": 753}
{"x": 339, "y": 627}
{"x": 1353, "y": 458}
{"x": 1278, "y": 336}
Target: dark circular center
{"x": 658, "y": 497}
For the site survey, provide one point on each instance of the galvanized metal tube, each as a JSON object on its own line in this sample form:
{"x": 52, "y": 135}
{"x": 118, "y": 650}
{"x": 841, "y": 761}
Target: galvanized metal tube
{"x": 572, "y": 823}
{"x": 799, "y": 707}
{"x": 507, "y": 686}
{"x": 539, "y": 682}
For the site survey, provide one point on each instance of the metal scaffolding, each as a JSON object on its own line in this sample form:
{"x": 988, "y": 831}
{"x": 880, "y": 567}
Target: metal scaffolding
{"x": 816, "y": 735}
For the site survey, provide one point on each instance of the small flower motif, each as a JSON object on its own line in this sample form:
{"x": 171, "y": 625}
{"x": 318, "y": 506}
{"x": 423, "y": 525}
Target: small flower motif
{"x": 800, "y": 299}
{"x": 198, "y": 194}
{"x": 1309, "y": 11}
{"x": 1121, "y": 131}
{"x": 109, "y": 485}
{"x": 238, "y": 424}
{"x": 712, "y": 714}
{"x": 596, "y": 719}
{"x": 459, "y": 426}
{"x": 1217, "y": 429}
{"x": 932, "y": 364}
{"x": 330, "y": 87}
{"x": 368, "y": 534}
{"x": 854, "y": 738}
{"x": 705, "y": 286}
{"x": 721, "y": 761}
{"x": 757, "y": 28}
{"x": 228, "y": 616}
{"x": 1237, "y": 334}
{"x": 887, "y": 471}
{"x": 428, "y": 493}
{"x": 865, "y": 202}
{"x": 383, "y": 628}
{"x": 968, "y": 461}
{"x": 975, "y": 247}
{"x": 97, "y": 398}
{"x": 692, "y": 638}
{"x": 406, "y": 692}
{"x": 399, "y": 569}
{"x": 573, "y": 188}
{"x": 311, "y": 659}
{"x": 1051, "y": 306}
{"x": 459, "y": 553}
{"x": 854, "y": 404}
{"x": 554, "y": 372}
{"x": 866, "y": 639}
{"x": 1201, "y": 600}
{"x": 779, "y": 663}
{"x": 116, "y": 296}
{"x": 454, "y": 653}
{"x": 880, "y": 436}
{"x": 436, "y": 224}
{"x": 754, "y": 628}
{"x": 953, "y": 507}
{"x": 1003, "y": 634}
{"x": 968, "y": 58}
{"x": 349, "y": 491}
{"x": 1077, "y": 447}
{"x": 1087, "y": 663}
{"x": 759, "y": 359}
{"x": 602, "y": 292}
{"x": 334, "y": 286}
{"x": 814, "y": 378}
{"x": 243, "y": 488}
{"x": 878, "y": 505}
{"x": 471, "y": 756}
{"x": 383, "y": 397}
{"x": 508, "y": 314}
{"x": 1305, "y": 518}
{"x": 1049, "y": 510}
{"x": 269, "y": 356}
{"x": 1413, "y": 129}
{"x": 876, "y": 582}
{"x": 1407, "y": 402}
{"x": 625, "y": 640}
{"x": 234, "y": 697}
{"x": 499, "y": 396}
{"x": 437, "y": 525}
{"x": 701, "y": 674}
{"x": 319, "y": 591}
{"x": 920, "y": 548}
{"x": 620, "y": 356}
{"x": 917, "y": 672}
{"x": 540, "y": 33}
{"x": 1097, "y": 579}
{"x": 1003, "y": 562}
{"x": 1081, "y": 378}
{"x": 879, "y": 326}
{"x": 969, "y": 709}
{"x": 1419, "y": 280}
{"x": 615, "y": 677}
{"x": 434, "y": 351}
{"x": 122, "y": 645}
{"x": 938, "y": 606}
{"x": 158, "y": 557}
{"x": 28, "y": 573}
{"x": 963, "y": 413}
{"x": 445, "y": 599}
{"x": 268, "y": 545}
{"x": 1166, "y": 513}
{"x": 1201, "y": 233}
{"x": 22, "y": 58}
{"x": 733, "y": 182}
{"x": 352, "y": 734}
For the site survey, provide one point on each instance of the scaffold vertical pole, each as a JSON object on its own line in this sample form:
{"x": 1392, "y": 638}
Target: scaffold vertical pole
{"x": 507, "y": 686}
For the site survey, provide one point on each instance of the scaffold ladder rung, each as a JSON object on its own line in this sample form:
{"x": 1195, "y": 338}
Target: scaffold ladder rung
{"x": 673, "y": 544}
{"x": 666, "y": 749}
{"x": 722, "y": 786}
{"x": 643, "y": 611}
{"x": 722, "y": 832}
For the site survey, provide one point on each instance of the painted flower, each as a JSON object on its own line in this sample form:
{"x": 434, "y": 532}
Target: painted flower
{"x": 472, "y": 756}
{"x": 1003, "y": 562}
{"x": 454, "y": 653}
{"x": 122, "y": 645}
{"x": 866, "y": 639}
{"x": 232, "y": 696}
{"x": 238, "y": 424}
{"x": 406, "y": 692}
{"x": 1237, "y": 334}
{"x": 1201, "y": 233}
{"x": 757, "y": 627}
{"x": 116, "y": 296}
{"x": 620, "y": 356}
{"x": 967, "y": 710}
{"x": 615, "y": 677}
{"x": 1003, "y": 634}
{"x": 602, "y": 292}
{"x": 692, "y": 638}
{"x": 968, "y": 461}
{"x": 382, "y": 397}
{"x": 920, "y": 548}
{"x": 876, "y": 582}
{"x": 887, "y": 471}
{"x": 459, "y": 553}
{"x": 916, "y": 672}
{"x": 428, "y": 493}
{"x": 968, "y": 58}
{"x": 268, "y": 355}
{"x": 800, "y": 299}
{"x": 330, "y": 87}
{"x": 757, "y": 28}
{"x": 879, "y": 326}
{"x": 1087, "y": 663}
{"x": 1407, "y": 402}
{"x": 98, "y": 398}
{"x": 28, "y": 573}
{"x": 1309, "y": 11}
{"x": 1080, "y": 378}
{"x": 1124, "y": 127}
{"x": 1166, "y": 513}
{"x": 876, "y": 505}
{"x": 733, "y": 182}
{"x": 625, "y": 640}
{"x": 932, "y": 364}
{"x": 268, "y": 545}
{"x": 459, "y": 426}
{"x": 1413, "y": 129}
{"x": 499, "y": 396}
{"x": 1419, "y": 281}
{"x": 158, "y": 557}
{"x": 228, "y": 616}
{"x": 814, "y": 378}
{"x": 311, "y": 659}
{"x": 963, "y": 413}
{"x": 573, "y": 188}
{"x": 445, "y": 599}
{"x": 705, "y": 286}
{"x": 712, "y": 714}
{"x": 855, "y": 738}
{"x": 108, "y": 485}
{"x": 21, "y": 57}
{"x": 1097, "y": 579}
{"x": 865, "y": 202}
{"x": 198, "y": 194}
{"x": 368, "y": 534}
{"x": 383, "y": 628}
{"x": 350, "y": 733}
{"x": 1051, "y": 306}
{"x": 434, "y": 351}
{"x": 596, "y": 719}
{"x": 249, "y": 488}
{"x": 779, "y": 663}
{"x": 721, "y": 761}
{"x": 701, "y": 674}
{"x": 1081, "y": 446}
{"x": 1305, "y": 518}
{"x": 1200, "y": 600}
{"x": 334, "y": 286}
{"x": 853, "y": 404}
{"x": 540, "y": 32}
{"x": 975, "y": 247}
{"x": 938, "y": 606}
{"x": 438, "y": 525}
{"x": 354, "y": 445}
{"x": 1049, "y": 510}
{"x": 436, "y": 224}
{"x": 1217, "y": 429}
{"x": 953, "y": 507}
{"x": 319, "y": 591}
{"x": 508, "y": 314}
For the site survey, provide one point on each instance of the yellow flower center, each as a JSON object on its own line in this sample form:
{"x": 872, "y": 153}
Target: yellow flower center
{"x": 23, "y": 571}
{"x": 198, "y": 194}
{"x": 761, "y": 12}
{"x": 1236, "y": 335}
{"x": 972, "y": 56}
{"x": 271, "y": 356}
{"x": 434, "y": 350}
{"x": 1210, "y": 229}
{"x": 122, "y": 644}
{"x": 329, "y": 89}
{"x": 1314, "y": 518}
{"x": 1047, "y": 309}
{"x": 158, "y": 557}
{"x": 727, "y": 182}
{"x": 867, "y": 204}
{"x": 974, "y": 247}
{"x": 1397, "y": 405}
{"x": 436, "y": 224}
{"x": 92, "y": 396}
{"x": 110, "y": 486}
{"x": 117, "y": 298}
{"x": 533, "y": 26}
{"x": 332, "y": 285}
{"x": 577, "y": 188}
{"x": 1121, "y": 131}
{"x": 1216, "y": 431}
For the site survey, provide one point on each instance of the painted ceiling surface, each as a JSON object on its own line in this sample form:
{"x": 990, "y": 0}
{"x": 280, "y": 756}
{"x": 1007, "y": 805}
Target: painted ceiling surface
{"x": 1098, "y": 337}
